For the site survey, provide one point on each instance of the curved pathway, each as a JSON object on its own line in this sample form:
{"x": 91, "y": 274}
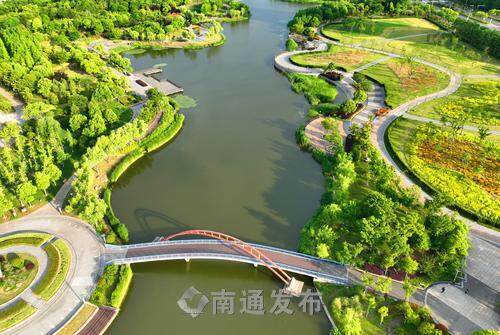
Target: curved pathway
{"x": 485, "y": 242}
{"x": 17, "y": 104}
{"x": 87, "y": 260}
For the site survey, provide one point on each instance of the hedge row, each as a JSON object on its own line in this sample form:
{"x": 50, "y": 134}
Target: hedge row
{"x": 15, "y": 314}
{"x": 59, "y": 256}
{"x": 35, "y": 239}
{"x": 163, "y": 133}
{"x": 121, "y": 289}
{"x": 118, "y": 227}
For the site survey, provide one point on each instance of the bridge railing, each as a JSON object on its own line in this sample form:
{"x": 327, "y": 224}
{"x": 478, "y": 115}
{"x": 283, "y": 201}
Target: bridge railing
{"x": 244, "y": 259}
{"x": 207, "y": 241}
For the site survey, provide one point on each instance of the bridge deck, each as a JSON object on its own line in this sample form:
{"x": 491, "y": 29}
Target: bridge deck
{"x": 320, "y": 269}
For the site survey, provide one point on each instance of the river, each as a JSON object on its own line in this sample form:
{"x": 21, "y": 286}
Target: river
{"x": 234, "y": 168}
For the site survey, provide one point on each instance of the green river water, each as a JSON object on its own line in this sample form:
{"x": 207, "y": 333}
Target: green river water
{"x": 234, "y": 168}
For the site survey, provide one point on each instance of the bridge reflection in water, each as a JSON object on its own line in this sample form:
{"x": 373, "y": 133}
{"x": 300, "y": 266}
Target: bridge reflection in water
{"x": 225, "y": 247}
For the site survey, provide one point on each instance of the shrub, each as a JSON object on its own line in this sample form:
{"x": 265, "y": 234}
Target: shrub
{"x": 291, "y": 45}
{"x": 17, "y": 262}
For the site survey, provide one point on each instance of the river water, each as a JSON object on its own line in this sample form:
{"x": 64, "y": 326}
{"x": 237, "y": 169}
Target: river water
{"x": 234, "y": 168}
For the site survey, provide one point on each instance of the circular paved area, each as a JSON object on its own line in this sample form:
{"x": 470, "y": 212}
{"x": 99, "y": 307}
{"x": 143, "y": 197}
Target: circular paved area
{"x": 87, "y": 253}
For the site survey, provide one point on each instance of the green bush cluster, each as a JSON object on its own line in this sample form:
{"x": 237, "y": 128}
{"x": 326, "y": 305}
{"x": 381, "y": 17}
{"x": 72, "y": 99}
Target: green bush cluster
{"x": 355, "y": 310}
{"x": 368, "y": 217}
{"x": 291, "y": 45}
{"x": 113, "y": 285}
{"x": 118, "y": 227}
{"x": 5, "y": 105}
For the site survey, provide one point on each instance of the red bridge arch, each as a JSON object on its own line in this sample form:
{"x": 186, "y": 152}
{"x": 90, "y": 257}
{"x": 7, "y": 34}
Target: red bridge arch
{"x": 240, "y": 245}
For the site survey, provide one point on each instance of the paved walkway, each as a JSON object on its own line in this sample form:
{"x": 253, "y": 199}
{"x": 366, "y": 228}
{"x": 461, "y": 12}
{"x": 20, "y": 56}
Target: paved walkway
{"x": 461, "y": 313}
{"x": 315, "y": 133}
{"x": 16, "y": 103}
{"x": 87, "y": 251}
{"x": 321, "y": 269}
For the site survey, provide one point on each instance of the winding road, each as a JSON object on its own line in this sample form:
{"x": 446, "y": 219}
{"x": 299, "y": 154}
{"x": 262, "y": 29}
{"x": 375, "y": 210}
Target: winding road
{"x": 463, "y": 309}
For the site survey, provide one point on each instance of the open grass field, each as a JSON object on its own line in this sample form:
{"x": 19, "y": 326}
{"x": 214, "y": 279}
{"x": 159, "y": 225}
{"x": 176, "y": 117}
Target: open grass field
{"x": 59, "y": 263}
{"x": 462, "y": 168}
{"x": 480, "y": 98}
{"x": 404, "y": 36}
{"x": 315, "y": 89}
{"x": 405, "y": 80}
{"x": 344, "y": 57}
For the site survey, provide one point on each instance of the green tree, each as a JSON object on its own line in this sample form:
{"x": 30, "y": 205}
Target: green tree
{"x": 371, "y": 302}
{"x": 383, "y": 285}
{"x": 483, "y": 132}
{"x": 368, "y": 280}
{"x": 383, "y": 312}
{"x": 42, "y": 181}
{"x": 26, "y": 192}
{"x": 409, "y": 288}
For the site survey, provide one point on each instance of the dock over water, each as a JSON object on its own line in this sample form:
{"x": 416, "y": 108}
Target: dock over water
{"x": 144, "y": 80}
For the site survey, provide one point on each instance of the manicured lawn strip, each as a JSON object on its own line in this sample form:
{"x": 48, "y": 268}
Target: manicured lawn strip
{"x": 113, "y": 286}
{"x": 479, "y": 97}
{"x": 74, "y": 325}
{"x": 59, "y": 262}
{"x": 166, "y": 131}
{"x": 25, "y": 278}
{"x": 405, "y": 81}
{"x": 122, "y": 286}
{"x": 35, "y": 239}
{"x": 315, "y": 89}
{"x": 465, "y": 193}
{"x": 344, "y": 57}
{"x": 442, "y": 49}
{"x": 15, "y": 314}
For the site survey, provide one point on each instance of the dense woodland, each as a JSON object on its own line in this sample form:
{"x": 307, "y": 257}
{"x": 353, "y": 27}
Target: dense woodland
{"x": 73, "y": 99}
{"x": 367, "y": 217}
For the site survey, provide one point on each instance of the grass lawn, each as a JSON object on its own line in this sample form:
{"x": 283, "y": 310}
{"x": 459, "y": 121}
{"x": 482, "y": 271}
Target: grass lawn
{"x": 315, "y": 89}
{"x": 34, "y": 239}
{"x": 479, "y": 97}
{"x": 17, "y": 280}
{"x": 405, "y": 80}
{"x": 461, "y": 168}
{"x": 443, "y": 49}
{"x": 59, "y": 256}
{"x": 347, "y": 58}
{"x": 354, "y": 298}
{"x": 15, "y": 314}
{"x": 74, "y": 325}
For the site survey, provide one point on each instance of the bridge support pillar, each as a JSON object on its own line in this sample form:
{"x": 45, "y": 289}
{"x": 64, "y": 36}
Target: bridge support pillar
{"x": 294, "y": 287}
{"x": 187, "y": 259}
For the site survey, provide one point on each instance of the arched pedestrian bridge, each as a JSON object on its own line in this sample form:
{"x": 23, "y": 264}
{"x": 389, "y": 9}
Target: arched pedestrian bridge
{"x": 225, "y": 247}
